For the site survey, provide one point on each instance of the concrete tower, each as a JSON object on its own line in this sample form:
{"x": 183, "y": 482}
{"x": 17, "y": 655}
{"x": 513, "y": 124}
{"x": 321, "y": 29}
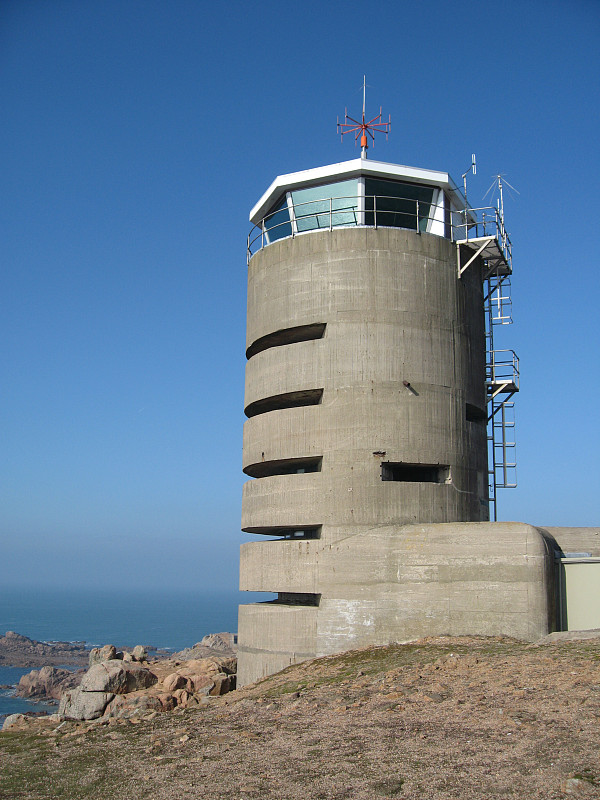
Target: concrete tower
{"x": 366, "y": 398}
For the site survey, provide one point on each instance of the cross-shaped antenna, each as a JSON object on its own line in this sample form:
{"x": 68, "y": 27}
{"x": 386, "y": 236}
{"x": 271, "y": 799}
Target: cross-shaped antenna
{"x": 363, "y": 128}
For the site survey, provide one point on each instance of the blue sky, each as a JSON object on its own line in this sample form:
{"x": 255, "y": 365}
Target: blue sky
{"x": 136, "y": 137}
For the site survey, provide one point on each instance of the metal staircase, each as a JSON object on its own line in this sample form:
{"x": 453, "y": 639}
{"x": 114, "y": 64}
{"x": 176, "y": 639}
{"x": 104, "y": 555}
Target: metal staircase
{"x": 483, "y": 235}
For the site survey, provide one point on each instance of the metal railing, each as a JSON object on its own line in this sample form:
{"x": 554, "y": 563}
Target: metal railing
{"x": 488, "y": 222}
{"x": 378, "y": 211}
{"x": 502, "y": 368}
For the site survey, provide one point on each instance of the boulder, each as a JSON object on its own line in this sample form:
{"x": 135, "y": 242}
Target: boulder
{"x": 174, "y": 681}
{"x": 201, "y": 684}
{"x": 47, "y": 683}
{"x": 182, "y": 696}
{"x": 167, "y": 701}
{"x": 132, "y": 705}
{"x": 13, "y": 720}
{"x": 139, "y": 653}
{"x": 77, "y": 704}
{"x": 118, "y": 677}
{"x": 222, "y": 684}
{"x": 100, "y": 654}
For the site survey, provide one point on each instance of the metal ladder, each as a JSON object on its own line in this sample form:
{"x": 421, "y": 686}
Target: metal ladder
{"x": 502, "y": 382}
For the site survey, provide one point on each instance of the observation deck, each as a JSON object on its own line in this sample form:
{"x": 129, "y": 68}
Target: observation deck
{"x": 364, "y": 193}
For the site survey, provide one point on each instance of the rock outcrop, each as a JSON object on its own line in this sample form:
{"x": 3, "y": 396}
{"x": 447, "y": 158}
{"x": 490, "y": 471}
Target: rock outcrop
{"x": 125, "y": 686}
{"x": 78, "y": 704}
{"x": 117, "y": 677}
{"x": 222, "y": 643}
{"x": 21, "y": 651}
{"x": 47, "y": 683}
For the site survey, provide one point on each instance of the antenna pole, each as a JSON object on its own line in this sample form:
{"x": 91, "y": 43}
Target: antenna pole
{"x": 364, "y": 128}
{"x": 364, "y": 144}
{"x": 473, "y": 167}
{"x": 501, "y": 198}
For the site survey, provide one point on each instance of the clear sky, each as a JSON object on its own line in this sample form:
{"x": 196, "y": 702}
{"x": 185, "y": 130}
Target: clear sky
{"x": 137, "y": 134}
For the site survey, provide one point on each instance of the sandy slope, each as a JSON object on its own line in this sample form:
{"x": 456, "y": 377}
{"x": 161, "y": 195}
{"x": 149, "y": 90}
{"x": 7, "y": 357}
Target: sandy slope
{"x": 443, "y": 718}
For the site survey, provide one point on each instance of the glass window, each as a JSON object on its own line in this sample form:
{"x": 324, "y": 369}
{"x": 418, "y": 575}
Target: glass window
{"x": 312, "y": 206}
{"x": 277, "y": 223}
{"x": 394, "y": 205}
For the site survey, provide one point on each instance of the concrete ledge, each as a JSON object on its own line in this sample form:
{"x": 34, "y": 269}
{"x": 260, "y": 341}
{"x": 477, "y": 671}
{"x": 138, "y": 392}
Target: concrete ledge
{"x": 279, "y": 566}
{"x": 272, "y": 636}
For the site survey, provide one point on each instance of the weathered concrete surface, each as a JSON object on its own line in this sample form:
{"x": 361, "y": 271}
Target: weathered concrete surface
{"x": 401, "y": 366}
{"x": 274, "y": 637}
{"x": 576, "y": 540}
{"x": 394, "y": 584}
{"x": 394, "y": 312}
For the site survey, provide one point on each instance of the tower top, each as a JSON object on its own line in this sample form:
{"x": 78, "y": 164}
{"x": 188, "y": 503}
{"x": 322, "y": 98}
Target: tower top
{"x": 364, "y": 128}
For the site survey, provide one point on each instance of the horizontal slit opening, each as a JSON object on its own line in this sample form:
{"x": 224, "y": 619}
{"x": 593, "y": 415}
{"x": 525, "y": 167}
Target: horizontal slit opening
{"x": 301, "y": 333}
{"x": 474, "y": 413}
{"x": 290, "y": 532}
{"x": 297, "y": 599}
{"x": 414, "y": 473}
{"x": 284, "y": 466}
{"x": 305, "y": 397}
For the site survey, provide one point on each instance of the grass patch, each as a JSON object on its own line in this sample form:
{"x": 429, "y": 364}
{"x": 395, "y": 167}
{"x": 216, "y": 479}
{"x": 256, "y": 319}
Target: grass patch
{"x": 373, "y": 661}
{"x": 46, "y": 767}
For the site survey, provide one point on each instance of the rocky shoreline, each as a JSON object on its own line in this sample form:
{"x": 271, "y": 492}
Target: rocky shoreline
{"x": 21, "y": 651}
{"x": 17, "y": 650}
{"x": 121, "y": 683}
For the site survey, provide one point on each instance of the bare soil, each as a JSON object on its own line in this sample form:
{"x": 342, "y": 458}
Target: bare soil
{"x": 441, "y": 718}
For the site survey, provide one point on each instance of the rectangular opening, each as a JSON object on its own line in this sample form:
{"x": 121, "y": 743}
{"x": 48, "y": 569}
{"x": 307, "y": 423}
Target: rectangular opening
{"x": 284, "y": 466}
{"x": 301, "y": 333}
{"x": 301, "y": 533}
{"x": 298, "y": 599}
{"x": 414, "y": 473}
{"x": 297, "y": 532}
{"x": 305, "y": 397}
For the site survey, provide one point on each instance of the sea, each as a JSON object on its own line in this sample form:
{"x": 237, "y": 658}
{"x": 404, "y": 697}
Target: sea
{"x": 170, "y": 620}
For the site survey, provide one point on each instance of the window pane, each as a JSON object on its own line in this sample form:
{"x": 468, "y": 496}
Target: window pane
{"x": 312, "y": 206}
{"x": 277, "y": 223}
{"x": 394, "y": 205}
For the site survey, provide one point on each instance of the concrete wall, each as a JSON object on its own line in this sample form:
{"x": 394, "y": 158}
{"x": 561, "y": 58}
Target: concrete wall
{"x": 395, "y": 311}
{"x": 390, "y": 584}
{"x": 274, "y": 636}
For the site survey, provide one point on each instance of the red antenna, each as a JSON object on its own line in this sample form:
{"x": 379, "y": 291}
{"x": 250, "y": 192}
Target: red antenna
{"x": 364, "y": 129}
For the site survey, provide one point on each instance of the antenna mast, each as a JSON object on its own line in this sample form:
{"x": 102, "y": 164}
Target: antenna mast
{"x": 364, "y": 128}
{"x": 499, "y": 184}
{"x": 472, "y": 168}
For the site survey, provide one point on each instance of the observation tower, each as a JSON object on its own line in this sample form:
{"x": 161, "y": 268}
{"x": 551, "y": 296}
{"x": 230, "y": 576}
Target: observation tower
{"x": 371, "y": 389}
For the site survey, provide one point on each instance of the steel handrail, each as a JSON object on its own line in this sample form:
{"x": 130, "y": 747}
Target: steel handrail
{"x": 501, "y": 369}
{"x": 481, "y": 222}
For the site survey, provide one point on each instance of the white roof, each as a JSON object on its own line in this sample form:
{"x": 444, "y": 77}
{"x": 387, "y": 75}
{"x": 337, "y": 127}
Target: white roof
{"x": 351, "y": 169}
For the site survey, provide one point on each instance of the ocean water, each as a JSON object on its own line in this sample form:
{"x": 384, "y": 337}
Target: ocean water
{"x": 152, "y": 617}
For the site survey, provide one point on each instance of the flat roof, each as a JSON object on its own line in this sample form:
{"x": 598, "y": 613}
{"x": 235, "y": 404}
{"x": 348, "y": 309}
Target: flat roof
{"x": 352, "y": 169}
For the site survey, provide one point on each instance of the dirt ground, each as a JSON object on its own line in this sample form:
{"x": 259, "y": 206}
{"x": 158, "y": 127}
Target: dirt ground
{"x": 442, "y": 718}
